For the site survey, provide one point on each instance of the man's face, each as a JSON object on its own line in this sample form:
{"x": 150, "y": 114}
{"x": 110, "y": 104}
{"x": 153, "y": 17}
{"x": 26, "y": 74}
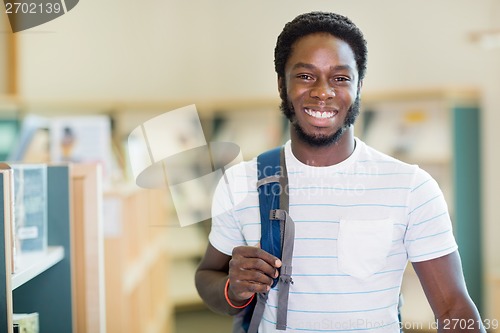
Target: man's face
{"x": 320, "y": 89}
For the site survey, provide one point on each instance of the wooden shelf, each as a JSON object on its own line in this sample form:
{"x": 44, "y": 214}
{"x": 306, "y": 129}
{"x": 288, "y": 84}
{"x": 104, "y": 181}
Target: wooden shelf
{"x": 30, "y": 265}
{"x": 136, "y": 272}
{"x": 88, "y": 248}
{"x": 137, "y": 261}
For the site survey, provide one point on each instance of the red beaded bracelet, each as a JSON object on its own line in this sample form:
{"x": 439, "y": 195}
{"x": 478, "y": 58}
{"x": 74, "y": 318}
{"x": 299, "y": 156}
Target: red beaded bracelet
{"x": 226, "y": 288}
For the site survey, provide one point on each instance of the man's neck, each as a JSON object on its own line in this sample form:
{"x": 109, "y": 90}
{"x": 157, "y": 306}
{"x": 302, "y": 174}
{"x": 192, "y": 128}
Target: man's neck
{"x": 324, "y": 156}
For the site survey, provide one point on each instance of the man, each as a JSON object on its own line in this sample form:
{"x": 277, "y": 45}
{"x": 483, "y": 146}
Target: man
{"x": 359, "y": 215}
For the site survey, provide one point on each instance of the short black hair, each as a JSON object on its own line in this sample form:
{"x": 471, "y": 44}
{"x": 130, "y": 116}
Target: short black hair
{"x": 337, "y": 25}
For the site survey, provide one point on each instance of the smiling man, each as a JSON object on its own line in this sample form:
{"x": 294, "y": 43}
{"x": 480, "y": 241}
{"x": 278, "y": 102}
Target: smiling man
{"x": 319, "y": 87}
{"x": 358, "y": 215}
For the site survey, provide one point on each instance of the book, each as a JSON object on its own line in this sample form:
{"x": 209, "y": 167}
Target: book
{"x": 32, "y": 141}
{"x": 26, "y": 322}
{"x": 9, "y": 128}
{"x": 82, "y": 139}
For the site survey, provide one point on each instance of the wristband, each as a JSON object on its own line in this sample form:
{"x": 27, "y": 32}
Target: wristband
{"x": 226, "y": 288}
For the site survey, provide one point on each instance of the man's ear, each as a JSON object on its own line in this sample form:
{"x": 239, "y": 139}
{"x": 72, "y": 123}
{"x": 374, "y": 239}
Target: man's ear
{"x": 360, "y": 85}
{"x": 280, "y": 85}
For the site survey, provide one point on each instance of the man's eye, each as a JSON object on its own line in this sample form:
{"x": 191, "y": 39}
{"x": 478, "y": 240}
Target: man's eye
{"x": 304, "y": 77}
{"x": 341, "y": 79}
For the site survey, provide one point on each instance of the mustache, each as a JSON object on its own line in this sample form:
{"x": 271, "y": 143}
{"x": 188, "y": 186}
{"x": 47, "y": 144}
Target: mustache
{"x": 287, "y": 109}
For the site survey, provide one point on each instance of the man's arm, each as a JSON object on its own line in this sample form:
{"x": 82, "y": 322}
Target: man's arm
{"x": 249, "y": 270}
{"x": 444, "y": 285}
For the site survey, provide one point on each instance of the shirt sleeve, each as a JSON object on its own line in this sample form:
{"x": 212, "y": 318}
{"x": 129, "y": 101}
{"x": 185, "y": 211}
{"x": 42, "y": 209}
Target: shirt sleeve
{"x": 226, "y": 231}
{"x": 430, "y": 232}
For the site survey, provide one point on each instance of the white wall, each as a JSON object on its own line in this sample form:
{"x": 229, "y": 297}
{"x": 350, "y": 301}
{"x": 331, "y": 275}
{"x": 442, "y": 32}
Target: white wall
{"x": 175, "y": 49}
{"x": 198, "y": 49}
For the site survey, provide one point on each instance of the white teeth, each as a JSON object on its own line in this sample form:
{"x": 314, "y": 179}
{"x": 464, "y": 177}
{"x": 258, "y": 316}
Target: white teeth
{"x": 319, "y": 114}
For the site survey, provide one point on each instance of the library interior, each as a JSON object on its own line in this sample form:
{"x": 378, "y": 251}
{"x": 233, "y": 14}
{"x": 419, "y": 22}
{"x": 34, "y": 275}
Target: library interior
{"x": 90, "y": 242}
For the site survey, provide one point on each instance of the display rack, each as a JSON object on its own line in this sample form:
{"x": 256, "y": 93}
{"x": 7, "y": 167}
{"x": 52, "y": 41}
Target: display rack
{"x": 43, "y": 282}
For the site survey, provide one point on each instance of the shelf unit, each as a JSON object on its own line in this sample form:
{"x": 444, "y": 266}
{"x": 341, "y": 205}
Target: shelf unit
{"x": 43, "y": 282}
{"x": 137, "y": 262}
{"x": 88, "y": 248}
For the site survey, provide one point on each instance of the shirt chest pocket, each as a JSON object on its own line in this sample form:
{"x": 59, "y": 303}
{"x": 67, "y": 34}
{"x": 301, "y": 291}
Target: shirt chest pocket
{"x": 363, "y": 246}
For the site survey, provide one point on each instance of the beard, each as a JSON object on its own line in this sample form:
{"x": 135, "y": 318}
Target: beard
{"x": 319, "y": 140}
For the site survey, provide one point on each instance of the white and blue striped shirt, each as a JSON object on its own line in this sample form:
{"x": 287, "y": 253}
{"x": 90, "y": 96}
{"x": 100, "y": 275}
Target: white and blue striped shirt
{"x": 357, "y": 224}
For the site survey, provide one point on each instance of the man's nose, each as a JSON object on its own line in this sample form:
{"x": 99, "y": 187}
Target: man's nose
{"x": 322, "y": 90}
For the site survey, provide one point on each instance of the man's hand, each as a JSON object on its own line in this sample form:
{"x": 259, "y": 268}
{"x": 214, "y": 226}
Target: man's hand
{"x": 251, "y": 270}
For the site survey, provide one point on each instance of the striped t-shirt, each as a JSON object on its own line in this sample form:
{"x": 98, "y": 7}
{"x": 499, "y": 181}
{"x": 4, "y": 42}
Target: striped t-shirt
{"x": 357, "y": 223}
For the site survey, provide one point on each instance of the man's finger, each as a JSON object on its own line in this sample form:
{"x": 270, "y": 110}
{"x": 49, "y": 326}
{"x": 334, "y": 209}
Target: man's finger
{"x": 261, "y": 254}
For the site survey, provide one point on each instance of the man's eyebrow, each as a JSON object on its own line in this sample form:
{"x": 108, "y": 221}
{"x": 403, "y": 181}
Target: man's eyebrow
{"x": 342, "y": 67}
{"x": 303, "y": 65}
{"x": 311, "y": 67}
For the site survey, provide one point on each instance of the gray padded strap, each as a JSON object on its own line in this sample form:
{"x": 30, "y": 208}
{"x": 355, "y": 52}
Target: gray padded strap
{"x": 287, "y": 241}
{"x": 258, "y": 312}
{"x": 285, "y": 279}
{"x": 284, "y": 200}
{"x": 267, "y": 180}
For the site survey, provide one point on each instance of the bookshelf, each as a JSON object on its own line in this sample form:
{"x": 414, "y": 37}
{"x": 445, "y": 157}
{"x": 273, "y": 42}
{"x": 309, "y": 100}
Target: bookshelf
{"x": 88, "y": 248}
{"x": 42, "y": 279}
{"x": 137, "y": 261}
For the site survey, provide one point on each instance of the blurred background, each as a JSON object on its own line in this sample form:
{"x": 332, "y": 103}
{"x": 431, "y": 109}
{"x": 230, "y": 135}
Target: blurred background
{"x": 73, "y": 89}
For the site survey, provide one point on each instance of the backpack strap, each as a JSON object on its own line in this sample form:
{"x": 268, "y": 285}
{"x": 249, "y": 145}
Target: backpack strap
{"x": 277, "y": 230}
{"x": 285, "y": 277}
